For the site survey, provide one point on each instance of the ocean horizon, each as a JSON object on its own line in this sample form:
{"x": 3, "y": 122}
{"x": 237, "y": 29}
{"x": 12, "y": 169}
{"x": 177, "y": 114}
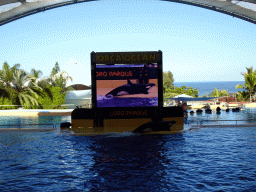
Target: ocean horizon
{"x": 205, "y": 87}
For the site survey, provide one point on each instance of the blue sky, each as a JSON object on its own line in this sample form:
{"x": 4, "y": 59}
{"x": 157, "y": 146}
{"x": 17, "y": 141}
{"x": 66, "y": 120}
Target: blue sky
{"x": 197, "y": 44}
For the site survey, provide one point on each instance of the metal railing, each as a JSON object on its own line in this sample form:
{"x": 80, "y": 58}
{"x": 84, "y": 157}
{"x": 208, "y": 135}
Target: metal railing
{"x": 200, "y": 122}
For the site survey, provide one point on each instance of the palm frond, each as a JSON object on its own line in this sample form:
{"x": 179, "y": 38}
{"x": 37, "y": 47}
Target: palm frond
{"x": 239, "y": 86}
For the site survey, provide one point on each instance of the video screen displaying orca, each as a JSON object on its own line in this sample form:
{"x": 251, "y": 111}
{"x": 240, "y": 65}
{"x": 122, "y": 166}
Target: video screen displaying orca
{"x": 127, "y": 85}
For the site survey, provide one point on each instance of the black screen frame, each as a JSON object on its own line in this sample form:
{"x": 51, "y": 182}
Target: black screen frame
{"x": 95, "y": 61}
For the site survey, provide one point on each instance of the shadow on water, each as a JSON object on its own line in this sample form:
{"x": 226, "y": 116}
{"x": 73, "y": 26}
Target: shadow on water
{"x": 135, "y": 163}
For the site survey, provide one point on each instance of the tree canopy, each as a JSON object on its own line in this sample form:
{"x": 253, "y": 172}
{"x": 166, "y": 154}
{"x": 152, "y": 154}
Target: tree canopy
{"x": 56, "y": 69}
{"x": 169, "y": 90}
{"x": 250, "y": 83}
{"x": 219, "y": 93}
{"x": 20, "y": 88}
{"x": 168, "y": 80}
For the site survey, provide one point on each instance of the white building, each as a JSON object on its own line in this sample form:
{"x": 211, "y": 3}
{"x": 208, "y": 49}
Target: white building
{"x": 81, "y": 98}
{"x": 80, "y": 74}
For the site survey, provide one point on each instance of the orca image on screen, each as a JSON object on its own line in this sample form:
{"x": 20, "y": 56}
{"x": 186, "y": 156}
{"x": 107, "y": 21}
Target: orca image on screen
{"x": 130, "y": 89}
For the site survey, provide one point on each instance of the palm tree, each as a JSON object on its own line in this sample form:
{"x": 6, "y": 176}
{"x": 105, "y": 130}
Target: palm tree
{"x": 55, "y": 69}
{"x": 36, "y": 73}
{"x": 242, "y": 95}
{"x": 60, "y": 80}
{"x": 44, "y": 83}
{"x": 6, "y": 74}
{"x": 217, "y": 93}
{"x": 56, "y": 79}
{"x": 3, "y": 91}
{"x": 23, "y": 85}
{"x": 250, "y": 82}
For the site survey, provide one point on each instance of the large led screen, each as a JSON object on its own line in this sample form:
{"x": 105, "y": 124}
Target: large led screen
{"x": 127, "y": 85}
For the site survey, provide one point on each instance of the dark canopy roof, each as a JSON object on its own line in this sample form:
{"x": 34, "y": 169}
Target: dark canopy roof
{"x": 235, "y": 8}
{"x": 80, "y": 87}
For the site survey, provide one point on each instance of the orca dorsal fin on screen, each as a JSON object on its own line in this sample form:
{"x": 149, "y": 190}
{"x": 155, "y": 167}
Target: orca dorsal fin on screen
{"x": 129, "y": 82}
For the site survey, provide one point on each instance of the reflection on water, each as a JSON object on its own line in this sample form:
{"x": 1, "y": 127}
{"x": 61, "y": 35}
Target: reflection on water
{"x": 201, "y": 160}
{"x": 136, "y": 162}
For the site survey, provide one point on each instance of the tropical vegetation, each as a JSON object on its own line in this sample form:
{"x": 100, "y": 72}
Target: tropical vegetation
{"x": 248, "y": 92}
{"x": 217, "y": 93}
{"x": 249, "y": 85}
{"x": 19, "y": 88}
{"x": 169, "y": 90}
{"x": 168, "y": 80}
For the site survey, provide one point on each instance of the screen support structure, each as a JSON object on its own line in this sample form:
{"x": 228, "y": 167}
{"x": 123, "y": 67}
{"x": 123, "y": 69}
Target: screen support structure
{"x": 127, "y": 58}
{"x": 93, "y": 80}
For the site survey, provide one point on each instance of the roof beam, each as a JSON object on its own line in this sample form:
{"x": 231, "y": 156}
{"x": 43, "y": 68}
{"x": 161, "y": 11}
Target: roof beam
{"x": 222, "y": 6}
{"x": 5, "y": 2}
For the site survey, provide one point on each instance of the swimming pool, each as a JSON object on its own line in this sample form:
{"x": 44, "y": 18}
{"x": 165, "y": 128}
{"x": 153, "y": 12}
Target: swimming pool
{"x": 208, "y": 159}
{"x": 24, "y": 121}
{"x": 245, "y": 116}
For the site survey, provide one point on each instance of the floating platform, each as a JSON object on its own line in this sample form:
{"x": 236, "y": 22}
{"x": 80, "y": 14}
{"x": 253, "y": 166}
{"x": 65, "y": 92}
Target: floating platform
{"x": 146, "y": 120}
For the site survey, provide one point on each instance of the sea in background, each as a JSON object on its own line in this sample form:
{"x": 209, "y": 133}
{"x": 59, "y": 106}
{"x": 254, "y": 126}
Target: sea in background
{"x": 209, "y": 86}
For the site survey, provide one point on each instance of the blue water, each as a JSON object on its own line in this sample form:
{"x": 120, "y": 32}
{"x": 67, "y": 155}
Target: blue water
{"x": 247, "y": 115}
{"x": 244, "y": 117}
{"x": 208, "y": 87}
{"x": 205, "y": 159}
{"x": 25, "y": 120}
{"x": 210, "y": 159}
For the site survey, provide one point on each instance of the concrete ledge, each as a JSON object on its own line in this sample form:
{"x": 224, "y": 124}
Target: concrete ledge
{"x": 18, "y": 113}
{"x": 250, "y": 105}
{"x": 232, "y": 105}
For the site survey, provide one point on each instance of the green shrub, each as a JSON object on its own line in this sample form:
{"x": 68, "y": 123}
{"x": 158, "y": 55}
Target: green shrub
{"x": 171, "y": 92}
{"x": 52, "y": 98}
{"x": 6, "y": 101}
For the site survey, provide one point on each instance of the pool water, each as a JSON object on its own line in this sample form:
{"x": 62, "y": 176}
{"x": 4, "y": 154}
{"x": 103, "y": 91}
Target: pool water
{"x": 206, "y": 159}
{"x": 33, "y": 121}
{"x": 247, "y": 115}
{"x": 244, "y": 117}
